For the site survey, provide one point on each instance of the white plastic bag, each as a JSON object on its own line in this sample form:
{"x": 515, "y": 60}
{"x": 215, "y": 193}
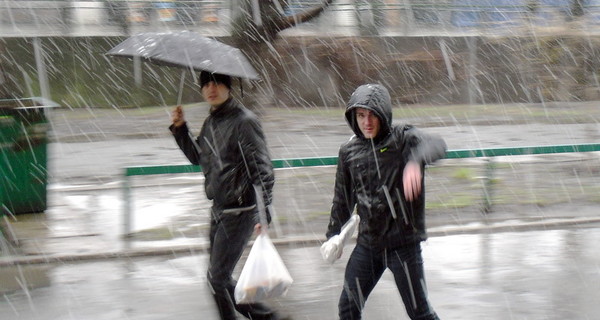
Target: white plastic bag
{"x": 264, "y": 275}
{"x": 332, "y": 249}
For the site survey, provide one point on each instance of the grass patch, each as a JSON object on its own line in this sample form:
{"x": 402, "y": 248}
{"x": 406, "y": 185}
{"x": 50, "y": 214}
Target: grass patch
{"x": 453, "y": 201}
{"x": 154, "y": 234}
{"x": 593, "y": 193}
{"x": 318, "y": 214}
{"x": 463, "y": 174}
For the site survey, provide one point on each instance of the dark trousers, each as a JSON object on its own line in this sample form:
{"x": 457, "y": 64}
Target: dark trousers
{"x": 366, "y": 266}
{"x": 229, "y": 235}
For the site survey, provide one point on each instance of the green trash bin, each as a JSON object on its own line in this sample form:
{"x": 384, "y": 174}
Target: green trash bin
{"x": 23, "y": 155}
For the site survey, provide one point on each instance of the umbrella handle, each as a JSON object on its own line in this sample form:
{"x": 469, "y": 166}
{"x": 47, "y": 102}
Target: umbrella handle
{"x": 181, "y": 81}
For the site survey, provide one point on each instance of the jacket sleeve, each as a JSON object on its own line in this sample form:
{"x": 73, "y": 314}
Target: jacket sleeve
{"x": 253, "y": 146}
{"x": 185, "y": 143}
{"x": 424, "y": 148}
{"x": 344, "y": 198}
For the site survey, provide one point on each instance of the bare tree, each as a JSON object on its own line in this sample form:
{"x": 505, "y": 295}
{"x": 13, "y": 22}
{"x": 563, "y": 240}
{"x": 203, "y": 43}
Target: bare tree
{"x": 256, "y": 24}
{"x": 259, "y": 21}
{"x": 577, "y": 8}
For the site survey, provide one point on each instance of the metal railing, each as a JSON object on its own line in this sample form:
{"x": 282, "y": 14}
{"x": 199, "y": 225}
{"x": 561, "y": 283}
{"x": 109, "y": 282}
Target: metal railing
{"x": 489, "y": 153}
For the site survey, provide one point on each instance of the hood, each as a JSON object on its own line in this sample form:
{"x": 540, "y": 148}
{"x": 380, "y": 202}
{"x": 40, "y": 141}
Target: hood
{"x": 376, "y": 98}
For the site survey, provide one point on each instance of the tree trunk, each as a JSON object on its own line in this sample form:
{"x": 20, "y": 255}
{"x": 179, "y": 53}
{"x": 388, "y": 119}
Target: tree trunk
{"x": 577, "y": 8}
{"x": 256, "y": 24}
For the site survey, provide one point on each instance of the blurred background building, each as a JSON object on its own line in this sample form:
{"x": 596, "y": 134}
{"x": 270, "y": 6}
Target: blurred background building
{"x": 105, "y": 17}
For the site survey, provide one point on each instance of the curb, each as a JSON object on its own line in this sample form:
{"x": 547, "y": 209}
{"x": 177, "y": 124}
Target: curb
{"x": 301, "y": 240}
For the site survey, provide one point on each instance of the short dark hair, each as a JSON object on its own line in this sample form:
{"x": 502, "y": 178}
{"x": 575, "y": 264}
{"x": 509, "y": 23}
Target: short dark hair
{"x": 206, "y": 77}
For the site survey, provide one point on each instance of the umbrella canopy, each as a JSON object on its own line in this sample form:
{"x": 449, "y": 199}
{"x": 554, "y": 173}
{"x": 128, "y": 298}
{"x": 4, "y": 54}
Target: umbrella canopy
{"x": 188, "y": 50}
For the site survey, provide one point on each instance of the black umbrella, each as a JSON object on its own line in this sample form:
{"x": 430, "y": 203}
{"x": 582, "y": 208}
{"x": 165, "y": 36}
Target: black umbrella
{"x": 188, "y": 50}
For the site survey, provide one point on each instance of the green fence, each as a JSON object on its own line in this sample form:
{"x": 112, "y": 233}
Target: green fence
{"x": 330, "y": 161}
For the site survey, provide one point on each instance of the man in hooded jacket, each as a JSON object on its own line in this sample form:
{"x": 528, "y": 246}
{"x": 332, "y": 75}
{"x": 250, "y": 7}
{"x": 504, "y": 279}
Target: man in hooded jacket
{"x": 380, "y": 172}
{"x": 233, "y": 154}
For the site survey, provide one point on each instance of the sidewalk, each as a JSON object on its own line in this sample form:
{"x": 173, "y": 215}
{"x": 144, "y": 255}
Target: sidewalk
{"x": 87, "y": 224}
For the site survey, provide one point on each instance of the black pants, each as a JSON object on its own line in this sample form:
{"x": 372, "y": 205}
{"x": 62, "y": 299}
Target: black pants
{"x": 366, "y": 266}
{"x": 229, "y": 235}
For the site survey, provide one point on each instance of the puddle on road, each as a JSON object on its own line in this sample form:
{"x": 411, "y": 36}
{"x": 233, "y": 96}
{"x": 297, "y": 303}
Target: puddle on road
{"x": 24, "y": 278}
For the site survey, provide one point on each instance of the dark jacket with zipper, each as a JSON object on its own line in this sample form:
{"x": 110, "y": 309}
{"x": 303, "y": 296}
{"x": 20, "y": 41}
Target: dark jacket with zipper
{"x": 369, "y": 176}
{"x": 233, "y": 154}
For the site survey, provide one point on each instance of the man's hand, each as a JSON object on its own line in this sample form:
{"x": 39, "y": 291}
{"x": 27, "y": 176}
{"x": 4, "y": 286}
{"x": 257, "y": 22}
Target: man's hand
{"x": 257, "y": 229}
{"x": 177, "y": 116}
{"x": 412, "y": 180}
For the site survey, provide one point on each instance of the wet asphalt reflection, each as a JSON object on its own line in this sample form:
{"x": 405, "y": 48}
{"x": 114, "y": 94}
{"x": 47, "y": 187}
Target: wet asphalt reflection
{"x": 552, "y": 274}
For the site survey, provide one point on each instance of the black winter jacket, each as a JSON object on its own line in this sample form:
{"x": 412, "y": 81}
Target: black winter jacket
{"x": 369, "y": 176}
{"x": 233, "y": 155}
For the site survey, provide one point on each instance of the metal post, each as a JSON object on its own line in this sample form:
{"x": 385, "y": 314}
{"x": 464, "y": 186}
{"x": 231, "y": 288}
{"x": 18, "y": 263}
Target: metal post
{"x": 67, "y": 15}
{"x": 40, "y": 62}
{"x": 137, "y": 71}
{"x": 126, "y": 206}
{"x": 488, "y": 184}
{"x": 473, "y": 83}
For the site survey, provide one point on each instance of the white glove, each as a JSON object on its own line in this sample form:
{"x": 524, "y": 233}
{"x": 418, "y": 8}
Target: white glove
{"x": 332, "y": 249}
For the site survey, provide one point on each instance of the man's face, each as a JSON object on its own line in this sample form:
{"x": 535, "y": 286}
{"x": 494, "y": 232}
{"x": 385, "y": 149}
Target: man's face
{"x": 215, "y": 93}
{"x": 368, "y": 123}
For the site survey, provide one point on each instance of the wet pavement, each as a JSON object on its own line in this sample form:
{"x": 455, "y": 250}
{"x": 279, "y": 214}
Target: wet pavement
{"x": 532, "y": 260}
{"x": 550, "y": 274}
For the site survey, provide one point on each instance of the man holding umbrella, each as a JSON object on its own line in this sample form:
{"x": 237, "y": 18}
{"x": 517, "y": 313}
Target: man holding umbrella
{"x": 232, "y": 151}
